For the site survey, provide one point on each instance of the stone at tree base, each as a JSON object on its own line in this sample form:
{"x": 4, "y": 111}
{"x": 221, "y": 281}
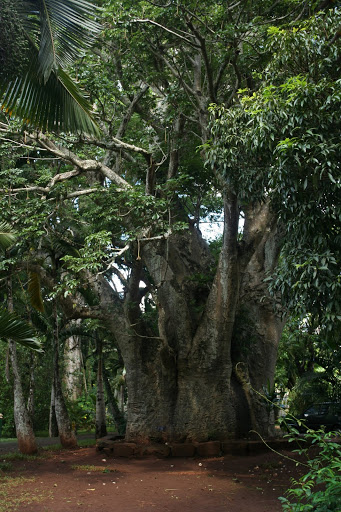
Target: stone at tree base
{"x": 255, "y": 447}
{"x": 183, "y": 450}
{"x": 156, "y": 450}
{"x": 107, "y": 442}
{"x": 124, "y": 449}
{"x": 235, "y": 447}
{"x": 117, "y": 447}
{"x": 209, "y": 449}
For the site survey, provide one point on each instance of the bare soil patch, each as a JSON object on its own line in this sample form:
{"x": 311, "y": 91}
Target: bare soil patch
{"x": 83, "y": 479}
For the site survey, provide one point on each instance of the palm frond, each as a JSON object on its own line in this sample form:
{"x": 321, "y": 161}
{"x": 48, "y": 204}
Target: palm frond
{"x": 7, "y": 236}
{"x": 65, "y": 27}
{"x": 72, "y": 27}
{"x": 44, "y": 95}
{"x": 34, "y": 292}
{"x": 14, "y": 328}
{"x": 47, "y": 57}
{"x": 58, "y": 105}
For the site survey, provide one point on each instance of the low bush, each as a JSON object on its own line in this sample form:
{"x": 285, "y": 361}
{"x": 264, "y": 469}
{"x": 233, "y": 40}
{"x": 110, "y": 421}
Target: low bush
{"x": 319, "y": 490}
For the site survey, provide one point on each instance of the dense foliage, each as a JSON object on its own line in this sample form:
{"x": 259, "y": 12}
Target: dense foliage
{"x": 13, "y": 46}
{"x": 308, "y": 366}
{"x": 282, "y": 143}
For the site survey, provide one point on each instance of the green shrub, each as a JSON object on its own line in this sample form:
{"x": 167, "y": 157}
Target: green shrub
{"x": 319, "y": 490}
{"x": 82, "y": 411}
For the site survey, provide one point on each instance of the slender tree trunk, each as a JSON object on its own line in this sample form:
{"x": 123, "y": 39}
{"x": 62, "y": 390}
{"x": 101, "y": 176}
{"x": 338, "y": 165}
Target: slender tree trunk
{"x": 25, "y": 435}
{"x": 53, "y": 426}
{"x": 30, "y": 400}
{"x": 73, "y": 374}
{"x": 101, "y": 428}
{"x": 66, "y": 434}
{"x": 116, "y": 413}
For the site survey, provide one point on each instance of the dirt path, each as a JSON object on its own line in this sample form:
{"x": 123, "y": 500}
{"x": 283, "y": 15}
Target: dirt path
{"x": 86, "y": 480}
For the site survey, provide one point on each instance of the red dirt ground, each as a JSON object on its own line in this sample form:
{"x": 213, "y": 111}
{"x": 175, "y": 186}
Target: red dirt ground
{"x": 85, "y": 480}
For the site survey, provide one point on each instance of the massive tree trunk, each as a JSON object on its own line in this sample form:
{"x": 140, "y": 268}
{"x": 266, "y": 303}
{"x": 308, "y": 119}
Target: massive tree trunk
{"x": 202, "y": 375}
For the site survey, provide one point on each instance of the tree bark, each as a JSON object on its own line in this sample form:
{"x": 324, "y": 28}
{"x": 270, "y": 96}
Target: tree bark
{"x": 201, "y": 376}
{"x": 116, "y": 413}
{"x": 66, "y": 435}
{"x": 101, "y": 428}
{"x": 73, "y": 374}
{"x": 23, "y": 425}
{"x": 30, "y": 400}
{"x": 53, "y": 426}
{"x": 25, "y": 435}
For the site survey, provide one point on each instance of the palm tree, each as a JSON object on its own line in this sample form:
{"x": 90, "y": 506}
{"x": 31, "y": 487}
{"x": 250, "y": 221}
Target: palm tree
{"x": 11, "y": 326}
{"x": 41, "y": 93}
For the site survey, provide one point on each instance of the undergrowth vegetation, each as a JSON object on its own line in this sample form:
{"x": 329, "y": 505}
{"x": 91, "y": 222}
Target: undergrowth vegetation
{"x": 319, "y": 489}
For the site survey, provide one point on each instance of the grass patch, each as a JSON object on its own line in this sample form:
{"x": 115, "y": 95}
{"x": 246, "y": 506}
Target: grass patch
{"x": 8, "y": 440}
{"x": 19, "y": 456}
{"x": 53, "y": 448}
{"x": 41, "y": 433}
{"x": 12, "y": 497}
{"x": 93, "y": 469}
{"x": 87, "y": 442}
{"x": 5, "y": 466}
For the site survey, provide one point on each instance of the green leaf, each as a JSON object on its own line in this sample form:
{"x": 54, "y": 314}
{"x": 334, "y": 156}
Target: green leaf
{"x": 14, "y": 328}
{"x": 57, "y": 105}
{"x": 34, "y": 291}
{"x": 7, "y": 236}
{"x": 43, "y": 95}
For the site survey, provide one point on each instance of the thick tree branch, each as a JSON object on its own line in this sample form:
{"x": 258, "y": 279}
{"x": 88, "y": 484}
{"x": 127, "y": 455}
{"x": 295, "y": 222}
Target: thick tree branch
{"x": 9, "y": 191}
{"x": 63, "y": 176}
{"x": 206, "y": 59}
{"x": 176, "y": 74}
{"x": 83, "y": 165}
{"x": 151, "y": 22}
{"x": 131, "y": 109}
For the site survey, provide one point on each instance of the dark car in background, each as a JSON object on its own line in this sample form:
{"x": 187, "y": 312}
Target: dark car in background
{"x": 325, "y": 414}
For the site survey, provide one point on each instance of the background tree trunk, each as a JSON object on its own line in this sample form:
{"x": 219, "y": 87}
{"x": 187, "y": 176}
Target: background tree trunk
{"x": 53, "y": 426}
{"x": 66, "y": 434}
{"x": 101, "y": 428}
{"x": 116, "y": 412}
{"x": 23, "y": 425}
{"x": 73, "y": 363}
